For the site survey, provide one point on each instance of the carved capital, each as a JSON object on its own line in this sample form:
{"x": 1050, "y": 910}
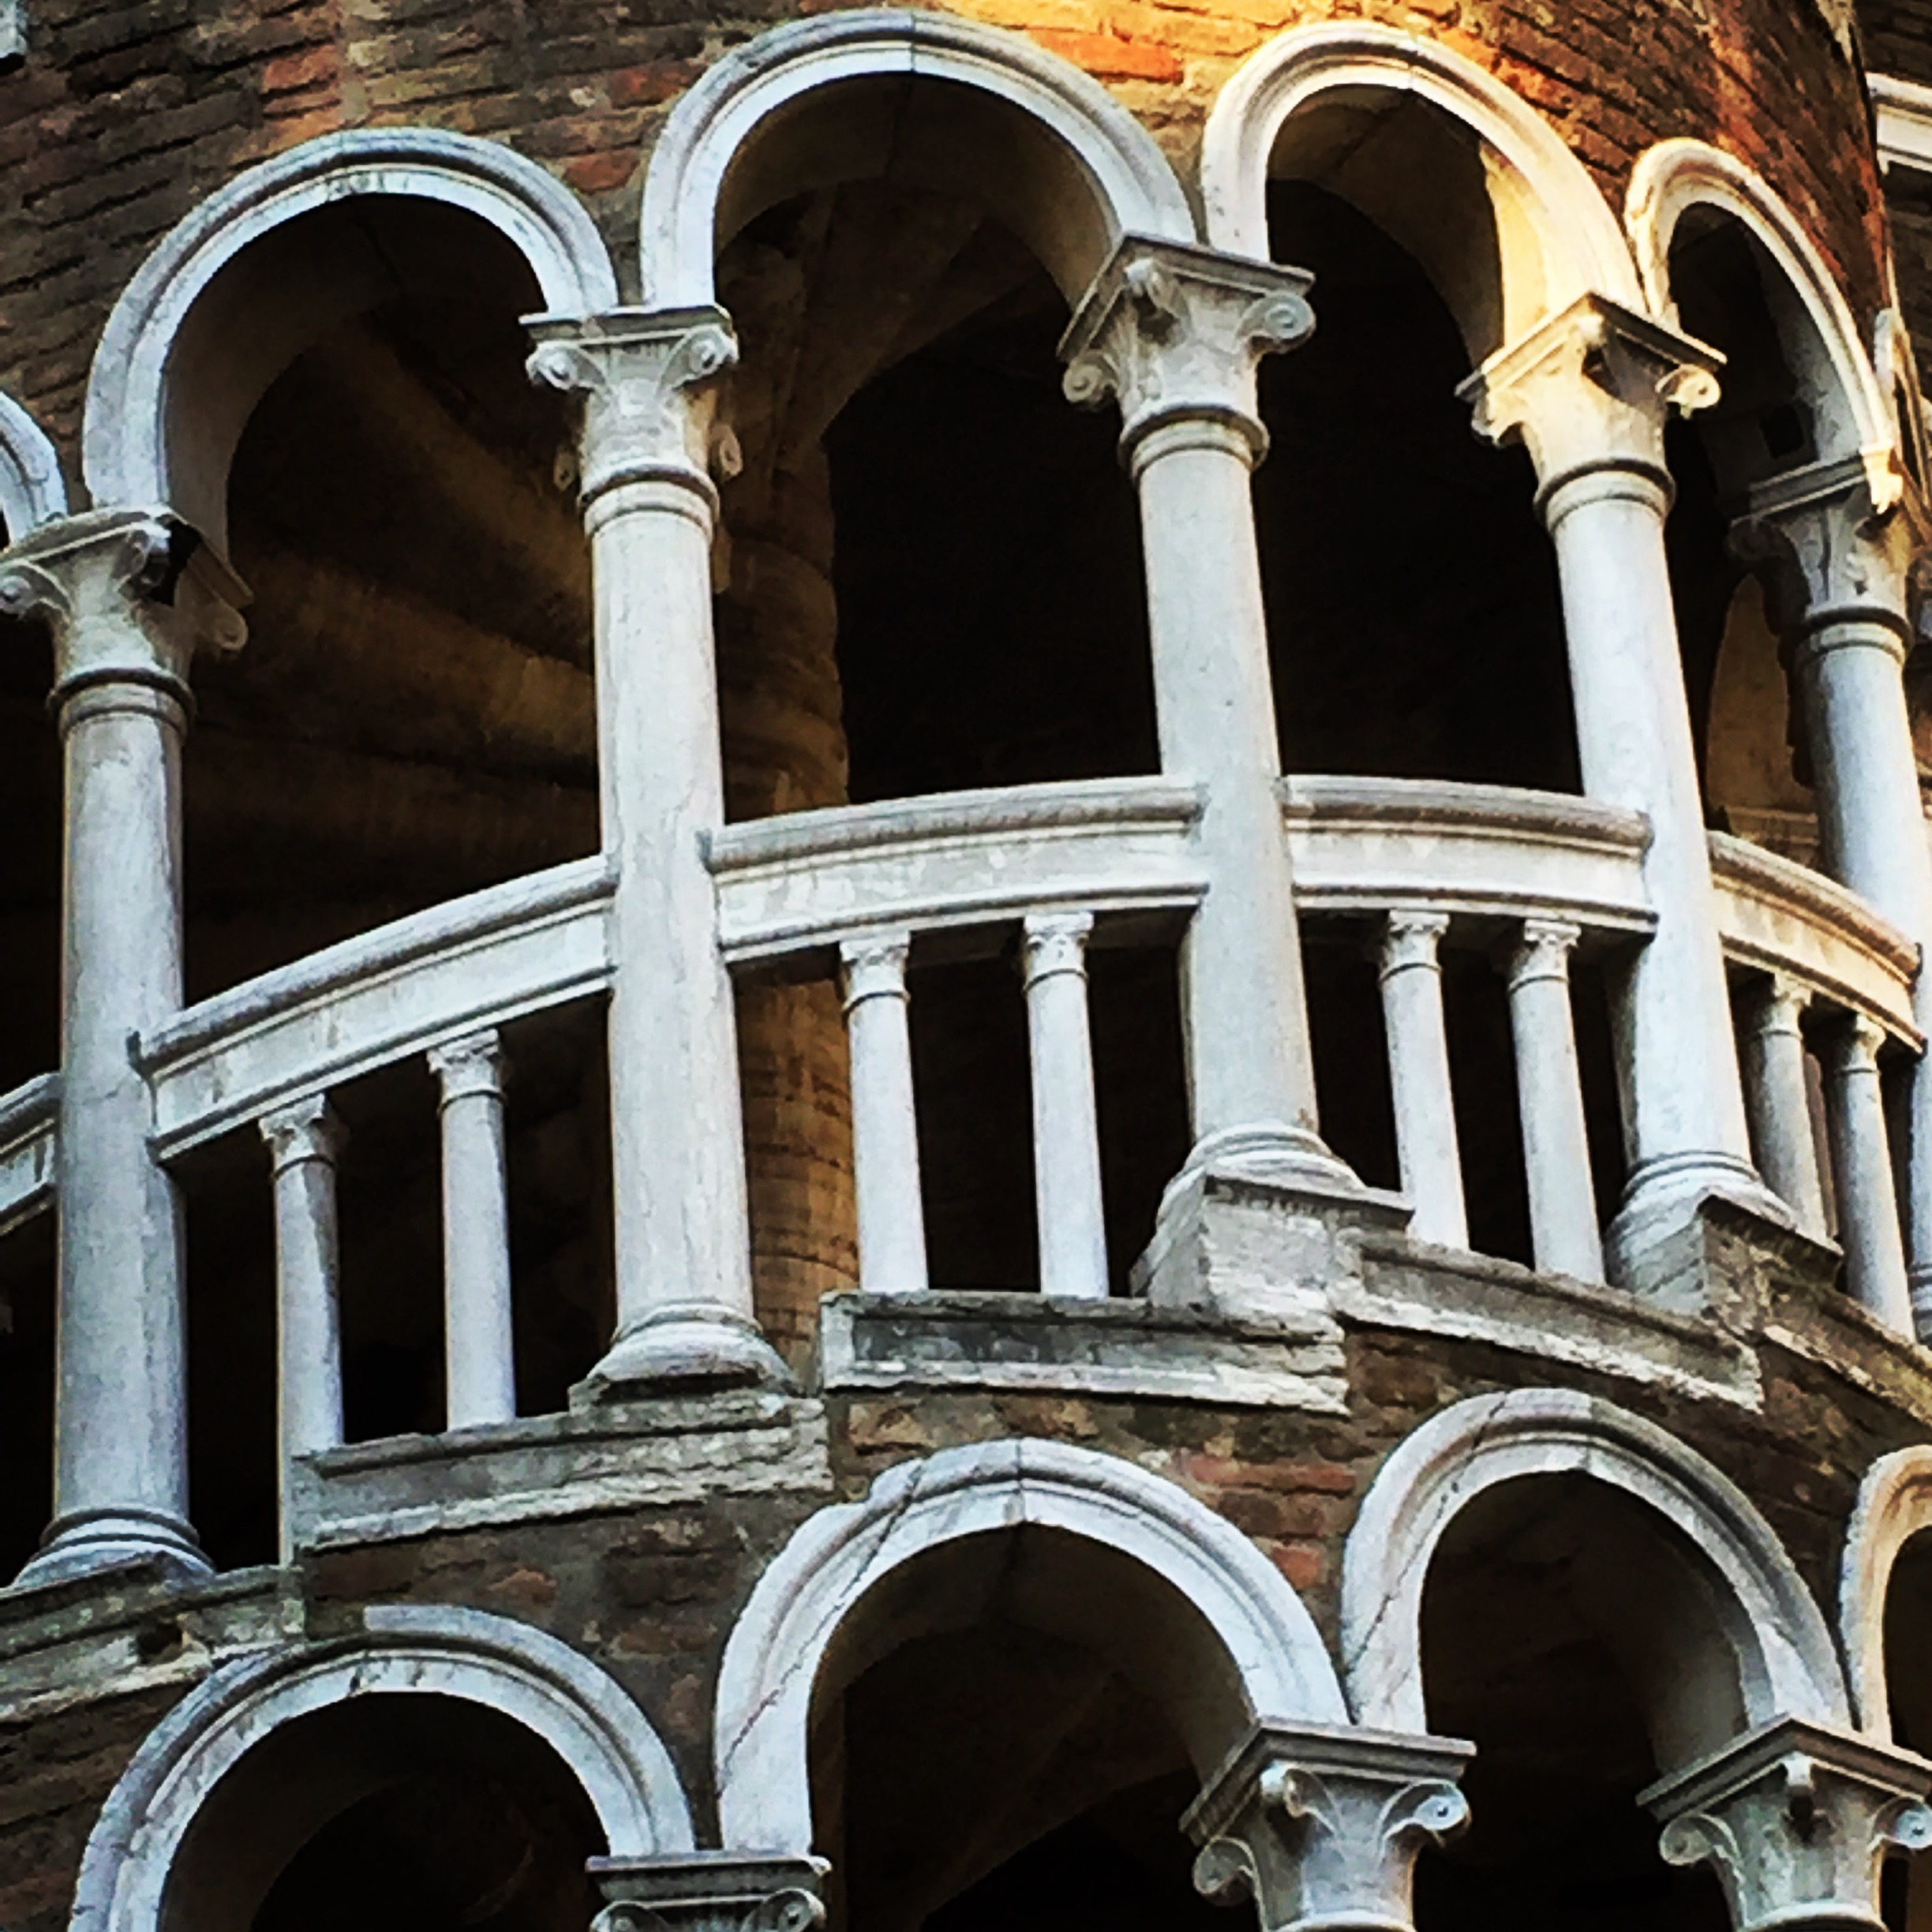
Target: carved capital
{"x": 1054, "y": 942}
{"x": 1543, "y": 952}
{"x": 1321, "y": 1825}
{"x": 1410, "y": 936}
{"x": 710, "y": 1892}
{"x": 1836, "y": 546}
{"x": 1590, "y": 389}
{"x": 873, "y": 966}
{"x": 1174, "y": 335}
{"x": 469, "y": 1067}
{"x": 129, "y": 596}
{"x": 1796, "y": 1821}
{"x": 648, "y": 380}
{"x": 308, "y": 1129}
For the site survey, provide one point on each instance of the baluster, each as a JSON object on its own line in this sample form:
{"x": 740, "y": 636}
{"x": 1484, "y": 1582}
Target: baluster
{"x": 1776, "y": 1094}
{"x": 305, "y": 1140}
{"x": 1563, "y": 1203}
{"x": 478, "y": 1346}
{"x": 1868, "y": 1220}
{"x": 892, "y": 1219}
{"x": 1066, "y": 1135}
{"x": 1418, "y": 1050}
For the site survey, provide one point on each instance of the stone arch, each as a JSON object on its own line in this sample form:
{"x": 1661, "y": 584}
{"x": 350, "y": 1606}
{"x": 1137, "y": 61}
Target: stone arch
{"x": 1779, "y": 1642}
{"x": 1894, "y": 1504}
{"x": 1820, "y": 339}
{"x": 32, "y": 489}
{"x": 581, "y": 1714}
{"x": 1046, "y": 148}
{"x": 1556, "y": 239}
{"x": 132, "y": 452}
{"x": 773, "y": 1660}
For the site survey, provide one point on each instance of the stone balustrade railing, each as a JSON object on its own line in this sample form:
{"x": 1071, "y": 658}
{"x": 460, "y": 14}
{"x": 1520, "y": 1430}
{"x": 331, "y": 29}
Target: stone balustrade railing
{"x": 1406, "y": 869}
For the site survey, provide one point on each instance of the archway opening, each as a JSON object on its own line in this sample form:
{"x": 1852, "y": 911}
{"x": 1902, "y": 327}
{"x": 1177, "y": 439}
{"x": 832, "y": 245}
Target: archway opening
{"x": 390, "y": 1810}
{"x": 1576, "y": 1638}
{"x": 1908, "y": 1888}
{"x": 1077, "y": 1695}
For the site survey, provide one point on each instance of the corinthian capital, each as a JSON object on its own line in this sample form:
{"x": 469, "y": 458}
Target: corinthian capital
{"x": 1174, "y": 335}
{"x": 1591, "y": 387}
{"x": 649, "y": 381}
{"x": 1796, "y": 1821}
{"x": 1322, "y": 1826}
{"x": 710, "y": 1892}
{"x": 128, "y": 595}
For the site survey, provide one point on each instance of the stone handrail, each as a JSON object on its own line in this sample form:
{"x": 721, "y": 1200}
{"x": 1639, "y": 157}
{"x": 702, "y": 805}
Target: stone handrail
{"x": 27, "y": 1143}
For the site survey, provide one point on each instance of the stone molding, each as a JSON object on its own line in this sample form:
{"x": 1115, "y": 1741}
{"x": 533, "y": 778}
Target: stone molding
{"x": 710, "y": 1891}
{"x": 1785, "y": 1658}
{"x": 773, "y": 1659}
{"x": 1894, "y": 1504}
{"x": 1119, "y": 163}
{"x": 33, "y": 490}
{"x": 1796, "y": 1819}
{"x": 308, "y": 1129}
{"x": 1174, "y": 334}
{"x": 1579, "y": 246}
{"x": 1676, "y": 175}
{"x": 1321, "y": 1827}
{"x": 124, "y": 447}
{"x": 523, "y": 1674}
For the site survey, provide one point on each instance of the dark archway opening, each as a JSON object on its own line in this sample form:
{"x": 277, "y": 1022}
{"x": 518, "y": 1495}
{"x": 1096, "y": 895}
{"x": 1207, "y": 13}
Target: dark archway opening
{"x": 1907, "y": 1885}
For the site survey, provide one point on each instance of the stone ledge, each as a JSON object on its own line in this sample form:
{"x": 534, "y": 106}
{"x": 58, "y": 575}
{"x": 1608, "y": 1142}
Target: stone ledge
{"x": 1133, "y": 1348}
{"x": 588, "y": 1462}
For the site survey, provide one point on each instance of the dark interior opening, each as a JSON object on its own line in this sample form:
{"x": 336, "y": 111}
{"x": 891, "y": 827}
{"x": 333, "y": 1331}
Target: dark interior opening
{"x": 1414, "y": 617}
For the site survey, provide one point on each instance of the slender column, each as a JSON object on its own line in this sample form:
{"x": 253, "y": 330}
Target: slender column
{"x": 1321, "y": 1827}
{"x": 1418, "y": 1050}
{"x": 885, "y": 1161}
{"x": 1066, "y": 1127}
{"x": 1868, "y": 1216}
{"x": 1837, "y": 558}
{"x": 1776, "y": 1091}
{"x": 683, "y": 1240}
{"x": 1174, "y": 335}
{"x": 1562, "y": 1203}
{"x": 127, "y": 612}
{"x": 1796, "y": 1821}
{"x": 479, "y": 1345}
{"x": 304, "y": 1141}
{"x": 1588, "y": 392}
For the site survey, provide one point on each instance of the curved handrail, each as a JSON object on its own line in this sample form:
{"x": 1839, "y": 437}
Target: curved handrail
{"x": 27, "y": 1147}
{"x": 480, "y": 961}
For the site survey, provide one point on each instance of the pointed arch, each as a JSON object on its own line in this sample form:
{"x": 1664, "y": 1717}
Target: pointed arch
{"x": 32, "y": 489}
{"x": 126, "y": 457}
{"x": 1557, "y": 237}
{"x": 1677, "y": 176}
{"x": 1781, "y": 1647}
{"x": 805, "y": 1596}
{"x": 588, "y": 1721}
{"x": 1071, "y": 172}
{"x": 1894, "y": 1505}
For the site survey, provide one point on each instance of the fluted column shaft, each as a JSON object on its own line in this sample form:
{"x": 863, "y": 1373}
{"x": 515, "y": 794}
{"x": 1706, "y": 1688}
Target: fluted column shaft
{"x": 682, "y": 1244}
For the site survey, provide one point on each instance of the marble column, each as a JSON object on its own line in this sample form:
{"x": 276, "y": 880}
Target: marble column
{"x": 885, "y": 1160}
{"x": 1836, "y": 555}
{"x": 479, "y": 1344}
{"x": 1066, "y": 1125}
{"x": 1796, "y": 1821}
{"x": 305, "y": 1140}
{"x": 648, "y": 381}
{"x": 1777, "y": 1094}
{"x": 1588, "y": 392}
{"x": 1868, "y": 1215}
{"x": 1321, "y": 1827}
{"x": 1174, "y": 334}
{"x": 128, "y": 597}
{"x": 1549, "y": 1088}
{"x": 1426, "y": 1145}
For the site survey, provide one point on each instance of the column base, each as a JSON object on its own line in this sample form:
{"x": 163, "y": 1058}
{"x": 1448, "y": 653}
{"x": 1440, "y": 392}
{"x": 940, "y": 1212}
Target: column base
{"x": 86, "y": 1540}
{"x": 679, "y": 1347}
{"x": 1663, "y": 1198}
{"x": 710, "y": 1892}
{"x": 1271, "y": 1153}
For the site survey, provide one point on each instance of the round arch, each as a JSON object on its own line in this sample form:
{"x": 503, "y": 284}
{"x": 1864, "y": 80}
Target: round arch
{"x": 1786, "y": 1662}
{"x": 32, "y": 489}
{"x": 1894, "y": 1504}
{"x": 1108, "y": 176}
{"x": 772, "y": 1662}
{"x": 588, "y": 1721}
{"x": 1676, "y": 176}
{"x": 1558, "y": 238}
{"x": 126, "y": 454}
